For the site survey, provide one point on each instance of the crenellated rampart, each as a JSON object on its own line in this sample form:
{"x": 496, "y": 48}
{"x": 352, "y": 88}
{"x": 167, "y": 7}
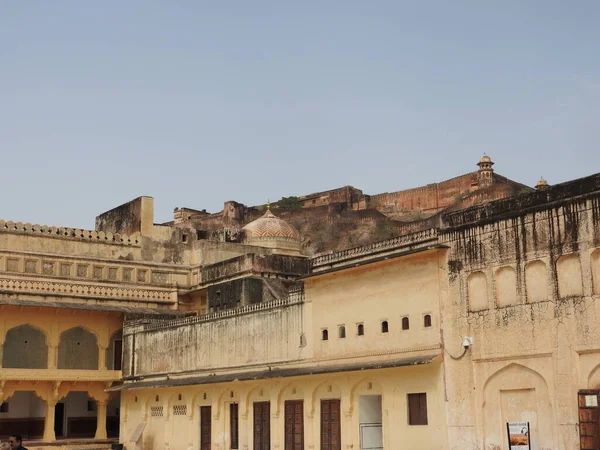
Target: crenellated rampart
{"x": 69, "y": 233}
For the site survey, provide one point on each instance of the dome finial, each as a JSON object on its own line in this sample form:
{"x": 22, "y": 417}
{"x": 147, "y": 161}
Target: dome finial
{"x": 268, "y": 205}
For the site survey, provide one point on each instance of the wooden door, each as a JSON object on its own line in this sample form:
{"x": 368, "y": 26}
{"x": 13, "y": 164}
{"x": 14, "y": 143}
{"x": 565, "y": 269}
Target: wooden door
{"x": 330, "y": 425}
{"x": 262, "y": 426}
{"x": 205, "y": 425}
{"x": 294, "y": 425}
{"x": 588, "y": 420}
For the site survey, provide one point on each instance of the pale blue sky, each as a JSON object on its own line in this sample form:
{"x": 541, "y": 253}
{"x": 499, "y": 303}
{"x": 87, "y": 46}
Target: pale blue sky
{"x": 195, "y": 102}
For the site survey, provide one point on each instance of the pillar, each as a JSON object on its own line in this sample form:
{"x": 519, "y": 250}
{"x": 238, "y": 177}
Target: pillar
{"x": 52, "y": 356}
{"x": 101, "y": 419}
{"x": 101, "y": 357}
{"x": 49, "y": 435}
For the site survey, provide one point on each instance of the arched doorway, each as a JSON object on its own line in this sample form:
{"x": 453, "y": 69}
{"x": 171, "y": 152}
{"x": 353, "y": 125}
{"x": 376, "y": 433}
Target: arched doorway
{"x": 75, "y": 416}
{"x": 23, "y": 413}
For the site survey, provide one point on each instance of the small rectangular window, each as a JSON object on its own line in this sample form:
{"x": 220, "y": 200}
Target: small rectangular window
{"x": 384, "y": 326}
{"x": 342, "y": 332}
{"x": 417, "y": 409}
{"x": 427, "y": 321}
{"x": 4, "y": 407}
{"x": 233, "y": 425}
{"x": 405, "y": 323}
{"x": 91, "y": 405}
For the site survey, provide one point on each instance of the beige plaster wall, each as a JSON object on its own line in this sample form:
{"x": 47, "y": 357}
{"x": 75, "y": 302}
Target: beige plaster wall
{"x": 182, "y": 431}
{"x": 391, "y": 290}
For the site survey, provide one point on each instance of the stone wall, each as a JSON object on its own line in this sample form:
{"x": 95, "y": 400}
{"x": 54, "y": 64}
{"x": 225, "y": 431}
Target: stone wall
{"x": 523, "y": 276}
{"x": 431, "y": 197}
{"x": 135, "y": 216}
{"x": 266, "y": 333}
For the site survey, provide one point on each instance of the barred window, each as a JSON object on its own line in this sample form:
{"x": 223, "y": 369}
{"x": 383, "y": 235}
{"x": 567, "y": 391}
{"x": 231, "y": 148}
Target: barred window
{"x": 180, "y": 410}
{"x": 156, "y": 411}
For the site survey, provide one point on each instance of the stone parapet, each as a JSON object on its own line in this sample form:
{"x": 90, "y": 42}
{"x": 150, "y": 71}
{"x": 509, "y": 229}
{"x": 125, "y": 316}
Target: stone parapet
{"x": 69, "y": 233}
{"x": 295, "y": 297}
{"x": 324, "y": 261}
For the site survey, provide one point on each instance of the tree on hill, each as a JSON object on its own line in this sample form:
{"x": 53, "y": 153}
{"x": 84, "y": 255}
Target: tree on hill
{"x": 289, "y": 203}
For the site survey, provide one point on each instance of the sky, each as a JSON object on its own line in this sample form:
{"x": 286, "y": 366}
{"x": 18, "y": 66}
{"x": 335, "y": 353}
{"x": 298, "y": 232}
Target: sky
{"x": 195, "y": 103}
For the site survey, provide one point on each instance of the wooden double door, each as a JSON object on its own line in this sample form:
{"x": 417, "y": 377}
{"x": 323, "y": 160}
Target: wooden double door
{"x": 294, "y": 425}
{"x": 262, "y": 426}
{"x": 330, "y": 425}
{"x": 205, "y": 427}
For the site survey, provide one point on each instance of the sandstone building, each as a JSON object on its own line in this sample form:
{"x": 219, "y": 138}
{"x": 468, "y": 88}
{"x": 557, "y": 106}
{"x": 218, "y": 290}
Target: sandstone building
{"x": 179, "y": 336}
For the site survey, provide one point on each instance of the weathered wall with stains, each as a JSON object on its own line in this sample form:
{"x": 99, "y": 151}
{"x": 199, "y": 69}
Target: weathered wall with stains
{"x": 259, "y": 333}
{"x": 523, "y": 281}
{"x": 136, "y": 216}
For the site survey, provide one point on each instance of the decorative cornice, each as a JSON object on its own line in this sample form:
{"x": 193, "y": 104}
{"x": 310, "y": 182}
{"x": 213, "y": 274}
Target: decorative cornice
{"x": 75, "y": 289}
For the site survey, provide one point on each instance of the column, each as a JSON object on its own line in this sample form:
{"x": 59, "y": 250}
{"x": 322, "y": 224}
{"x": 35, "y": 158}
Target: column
{"x": 52, "y": 356}
{"x": 101, "y": 357}
{"x": 49, "y": 435}
{"x": 53, "y": 341}
{"x": 101, "y": 419}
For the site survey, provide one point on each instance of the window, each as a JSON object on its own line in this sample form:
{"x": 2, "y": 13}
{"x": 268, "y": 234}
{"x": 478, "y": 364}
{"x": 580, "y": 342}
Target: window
{"x": 427, "y": 321}
{"x": 4, "y": 407}
{"x": 342, "y": 331}
{"x": 360, "y": 329}
{"x": 325, "y": 335}
{"x": 405, "y": 323}
{"x": 91, "y": 405}
{"x": 384, "y": 327}
{"x": 417, "y": 409}
{"x": 233, "y": 425}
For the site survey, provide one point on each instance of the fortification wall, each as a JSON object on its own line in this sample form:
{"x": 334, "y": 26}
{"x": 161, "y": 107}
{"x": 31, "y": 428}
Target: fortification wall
{"x": 431, "y": 197}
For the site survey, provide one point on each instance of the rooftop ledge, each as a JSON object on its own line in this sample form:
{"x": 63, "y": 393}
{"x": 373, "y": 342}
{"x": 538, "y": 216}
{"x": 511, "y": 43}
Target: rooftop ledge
{"x": 70, "y": 233}
{"x": 324, "y": 261}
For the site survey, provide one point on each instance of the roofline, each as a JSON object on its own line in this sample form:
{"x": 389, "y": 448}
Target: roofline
{"x": 270, "y": 373}
{"x": 351, "y": 265}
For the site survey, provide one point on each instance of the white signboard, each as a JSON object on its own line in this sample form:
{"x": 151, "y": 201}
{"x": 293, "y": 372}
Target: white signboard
{"x": 591, "y": 401}
{"x": 518, "y": 436}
